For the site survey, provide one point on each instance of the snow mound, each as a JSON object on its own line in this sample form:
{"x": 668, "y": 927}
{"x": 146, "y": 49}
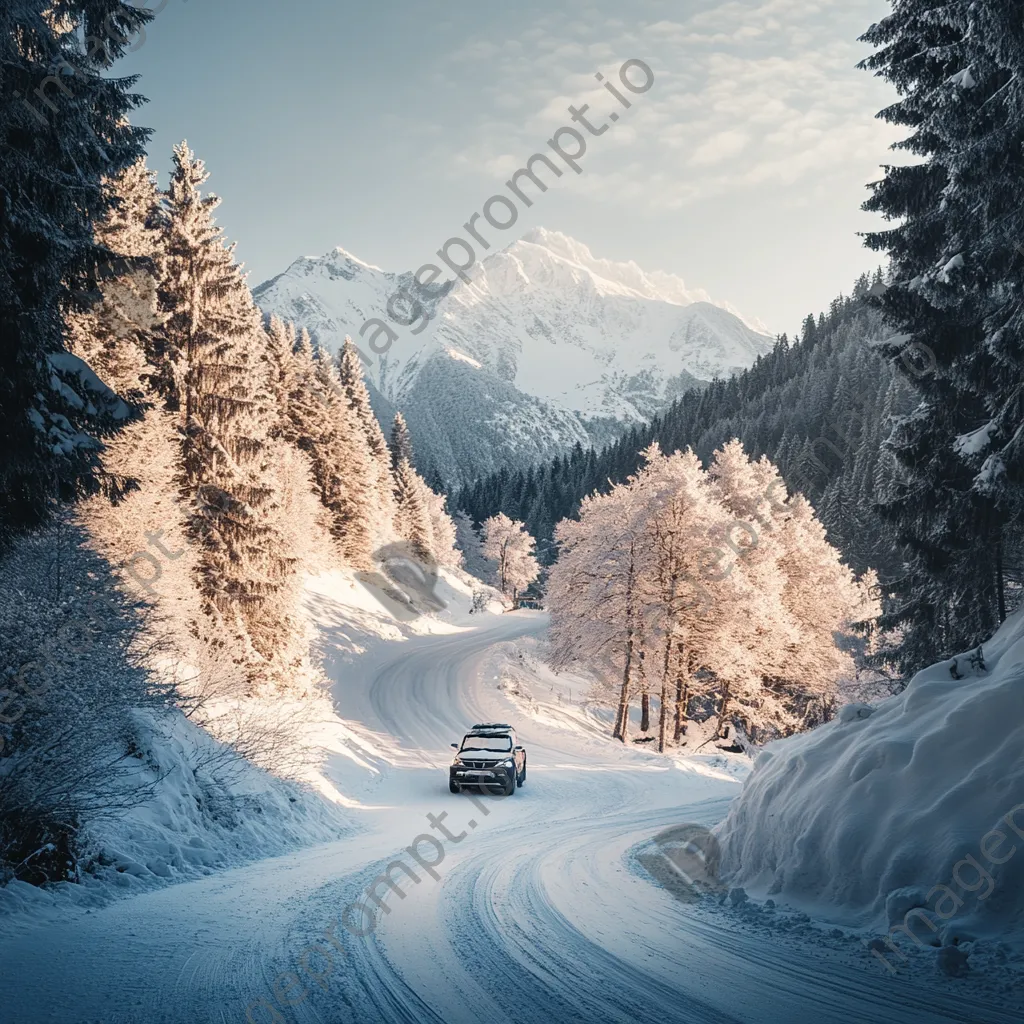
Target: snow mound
{"x": 908, "y": 814}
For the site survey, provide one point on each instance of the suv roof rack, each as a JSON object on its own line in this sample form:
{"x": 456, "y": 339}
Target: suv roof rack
{"x": 491, "y": 725}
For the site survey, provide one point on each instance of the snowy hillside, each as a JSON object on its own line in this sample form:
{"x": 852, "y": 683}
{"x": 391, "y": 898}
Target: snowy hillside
{"x": 904, "y": 814}
{"x": 546, "y": 337}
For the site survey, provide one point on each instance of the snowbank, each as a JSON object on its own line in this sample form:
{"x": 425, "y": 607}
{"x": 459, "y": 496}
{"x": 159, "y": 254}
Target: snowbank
{"x": 205, "y": 809}
{"x": 909, "y": 814}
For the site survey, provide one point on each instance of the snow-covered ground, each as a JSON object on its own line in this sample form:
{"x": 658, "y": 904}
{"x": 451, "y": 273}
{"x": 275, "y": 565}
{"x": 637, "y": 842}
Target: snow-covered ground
{"x": 539, "y": 907}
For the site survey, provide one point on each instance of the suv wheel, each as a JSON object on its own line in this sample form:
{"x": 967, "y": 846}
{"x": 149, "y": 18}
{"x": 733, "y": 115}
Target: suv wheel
{"x": 454, "y": 787}
{"x": 510, "y": 789}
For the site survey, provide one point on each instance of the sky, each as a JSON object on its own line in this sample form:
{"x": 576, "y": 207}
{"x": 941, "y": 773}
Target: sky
{"x": 381, "y": 127}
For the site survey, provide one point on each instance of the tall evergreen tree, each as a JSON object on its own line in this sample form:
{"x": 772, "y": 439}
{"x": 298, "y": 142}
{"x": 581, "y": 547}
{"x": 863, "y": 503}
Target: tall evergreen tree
{"x": 350, "y": 375}
{"x": 215, "y": 379}
{"x": 957, "y": 300}
{"x": 63, "y": 131}
{"x": 282, "y": 372}
{"x": 115, "y": 334}
{"x": 400, "y": 444}
{"x": 413, "y": 518}
{"x": 349, "y": 478}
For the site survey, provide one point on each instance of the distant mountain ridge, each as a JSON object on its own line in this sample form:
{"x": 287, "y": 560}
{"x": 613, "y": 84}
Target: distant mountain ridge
{"x": 545, "y": 347}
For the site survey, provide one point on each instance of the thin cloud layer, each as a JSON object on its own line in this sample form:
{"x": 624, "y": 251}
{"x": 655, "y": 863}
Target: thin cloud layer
{"x": 749, "y": 95}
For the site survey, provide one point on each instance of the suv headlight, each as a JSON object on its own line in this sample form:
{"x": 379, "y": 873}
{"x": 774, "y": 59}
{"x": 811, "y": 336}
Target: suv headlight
{"x": 457, "y": 760}
{"x": 508, "y": 764}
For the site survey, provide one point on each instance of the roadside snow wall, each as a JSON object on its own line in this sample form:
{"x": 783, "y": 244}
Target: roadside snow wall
{"x": 917, "y": 802}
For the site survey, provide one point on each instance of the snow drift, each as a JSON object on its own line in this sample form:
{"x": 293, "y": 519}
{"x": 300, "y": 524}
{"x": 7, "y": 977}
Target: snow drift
{"x": 910, "y": 812}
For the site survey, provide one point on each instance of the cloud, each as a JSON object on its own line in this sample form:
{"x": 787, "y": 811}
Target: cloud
{"x": 720, "y": 147}
{"x": 748, "y": 94}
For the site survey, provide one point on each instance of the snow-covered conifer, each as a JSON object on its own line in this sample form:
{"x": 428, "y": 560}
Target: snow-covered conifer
{"x": 282, "y": 371}
{"x": 61, "y": 141}
{"x": 400, "y": 444}
{"x": 350, "y": 375}
{"x": 955, "y": 306}
{"x": 347, "y": 478}
{"x": 214, "y": 375}
{"x": 115, "y": 334}
{"x": 413, "y": 515}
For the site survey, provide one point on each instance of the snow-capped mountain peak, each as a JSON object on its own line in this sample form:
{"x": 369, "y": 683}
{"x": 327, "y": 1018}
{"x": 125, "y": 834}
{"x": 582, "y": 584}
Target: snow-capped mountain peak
{"x": 545, "y": 339}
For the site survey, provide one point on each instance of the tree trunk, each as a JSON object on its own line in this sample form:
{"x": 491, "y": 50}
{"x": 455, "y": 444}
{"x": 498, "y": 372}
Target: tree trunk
{"x": 663, "y": 710}
{"x": 682, "y": 698}
{"x": 723, "y": 708}
{"x": 641, "y": 665}
{"x": 1000, "y": 587}
{"x": 622, "y": 721}
{"x": 682, "y": 692}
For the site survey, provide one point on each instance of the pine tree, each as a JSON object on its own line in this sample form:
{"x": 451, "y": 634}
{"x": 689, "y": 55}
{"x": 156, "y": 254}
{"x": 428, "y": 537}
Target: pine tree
{"x": 443, "y": 533}
{"x": 350, "y": 374}
{"x": 470, "y": 545}
{"x": 347, "y": 472}
{"x": 282, "y": 374}
{"x": 115, "y": 334}
{"x": 214, "y": 377}
{"x": 413, "y": 518}
{"x": 957, "y": 302}
{"x": 63, "y": 134}
{"x": 400, "y": 444}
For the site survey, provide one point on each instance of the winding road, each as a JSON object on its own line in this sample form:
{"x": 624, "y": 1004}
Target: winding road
{"x": 538, "y": 913}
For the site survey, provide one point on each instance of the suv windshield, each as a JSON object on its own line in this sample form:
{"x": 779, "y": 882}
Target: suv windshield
{"x": 499, "y": 744}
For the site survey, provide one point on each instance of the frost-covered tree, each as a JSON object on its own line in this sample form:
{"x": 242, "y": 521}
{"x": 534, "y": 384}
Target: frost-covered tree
{"x": 753, "y": 495}
{"x": 350, "y": 375}
{"x": 214, "y": 375}
{"x": 400, "y": 444}
{"x": 413, "y": 515}
{"x": 467, "y": 539}
{"x": 115, "y": 333}
{"x": 955, "y": 304}
{"x": 704, "y": 583}
{"x": 594, "y": 590}
{"x": 698, "y": 618}
{"x": 443, "y": 535}
{"x": 825, "y": 601}
{"x": 282, "y": 371}
{"x": 511, "y": 548}
{"x": 348, "y": 480}
{"x": 63, "y": 133}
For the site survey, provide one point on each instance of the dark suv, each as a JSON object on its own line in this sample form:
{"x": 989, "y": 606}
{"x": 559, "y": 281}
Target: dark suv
{"x": 489, "y": 756}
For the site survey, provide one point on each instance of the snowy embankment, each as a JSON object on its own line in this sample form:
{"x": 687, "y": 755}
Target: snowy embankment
{"x": 206, "y": 807}
{"x": 907, "y": 816}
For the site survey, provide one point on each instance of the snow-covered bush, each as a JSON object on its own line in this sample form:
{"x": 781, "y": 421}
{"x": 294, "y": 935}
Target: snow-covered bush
{"x": 74, "y": 653}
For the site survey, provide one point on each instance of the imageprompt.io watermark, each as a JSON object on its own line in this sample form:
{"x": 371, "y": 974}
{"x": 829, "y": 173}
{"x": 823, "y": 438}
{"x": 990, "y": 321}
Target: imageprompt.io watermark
{"x": 408, "y": 577}
{"x": 500, "y": 212}
{"x": 685, "y": 860}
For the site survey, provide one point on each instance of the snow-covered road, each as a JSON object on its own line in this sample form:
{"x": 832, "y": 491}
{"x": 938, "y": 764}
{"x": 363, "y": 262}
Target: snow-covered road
{"x": 538, "y": 914}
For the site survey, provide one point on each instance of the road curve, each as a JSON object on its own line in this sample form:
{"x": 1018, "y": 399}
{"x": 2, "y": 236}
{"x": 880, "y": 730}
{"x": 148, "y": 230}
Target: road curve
{"x": 539, "y": 912}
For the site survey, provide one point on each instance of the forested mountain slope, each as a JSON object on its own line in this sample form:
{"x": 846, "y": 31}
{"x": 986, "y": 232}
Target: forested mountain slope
{"x": 819, "y": 407}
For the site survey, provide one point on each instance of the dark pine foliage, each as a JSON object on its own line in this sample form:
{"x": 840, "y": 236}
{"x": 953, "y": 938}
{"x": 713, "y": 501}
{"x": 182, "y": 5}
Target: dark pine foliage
{"x": 957, "y": 297}
{"x": 63, "y": 130}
